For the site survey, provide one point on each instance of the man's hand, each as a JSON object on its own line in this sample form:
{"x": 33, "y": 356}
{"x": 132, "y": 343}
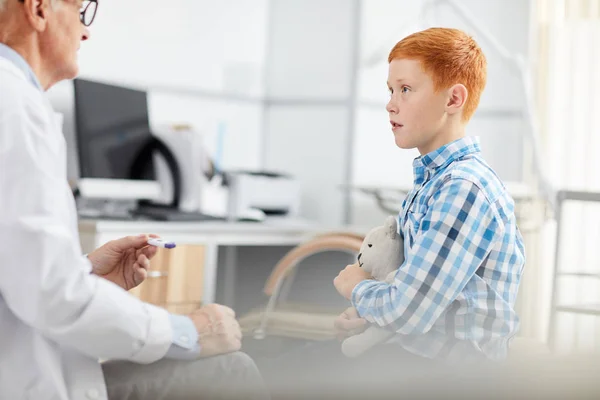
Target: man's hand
{"x": 124, "y": 261}
{"x": 218, "y": 330}
{"x": 349, "y": 323}
{"x": 348, "y": 278}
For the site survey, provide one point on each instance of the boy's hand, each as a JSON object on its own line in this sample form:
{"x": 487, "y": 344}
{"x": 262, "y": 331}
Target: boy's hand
{"x": 349, "y": 323}
{"x": 348, "y": 278}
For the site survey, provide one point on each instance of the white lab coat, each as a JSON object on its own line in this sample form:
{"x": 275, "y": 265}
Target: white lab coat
{"x": 56, "y": 320}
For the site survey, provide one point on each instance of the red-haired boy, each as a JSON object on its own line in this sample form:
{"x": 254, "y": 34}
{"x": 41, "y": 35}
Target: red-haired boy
{"x": 454, "y": 296}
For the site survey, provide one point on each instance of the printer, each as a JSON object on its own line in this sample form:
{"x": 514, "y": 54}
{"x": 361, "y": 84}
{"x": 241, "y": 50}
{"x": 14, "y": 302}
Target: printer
{"x": 259, "y": 194}
{"x": 235, "y": 195}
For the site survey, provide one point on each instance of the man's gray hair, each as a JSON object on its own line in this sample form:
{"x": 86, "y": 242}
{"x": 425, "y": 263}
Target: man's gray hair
{"x": 3, "y": 3}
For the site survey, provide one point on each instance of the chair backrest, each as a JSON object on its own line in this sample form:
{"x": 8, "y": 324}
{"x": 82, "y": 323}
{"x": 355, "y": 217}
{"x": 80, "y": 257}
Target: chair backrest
{"x": 335, "y": 241}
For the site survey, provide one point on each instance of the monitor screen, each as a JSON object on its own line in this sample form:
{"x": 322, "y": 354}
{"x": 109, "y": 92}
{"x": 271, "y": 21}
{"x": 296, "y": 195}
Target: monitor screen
{"x": 112, "y": 128}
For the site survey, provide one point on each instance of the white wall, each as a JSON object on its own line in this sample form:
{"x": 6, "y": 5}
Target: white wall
{"x": 180, "y": 43}
{"x": 201, "y": 61}
{"x": 309, "y": 72}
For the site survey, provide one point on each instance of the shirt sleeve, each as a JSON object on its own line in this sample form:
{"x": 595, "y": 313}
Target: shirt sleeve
{"x": 185, "y": 339}
{"x": 455, "y": 237}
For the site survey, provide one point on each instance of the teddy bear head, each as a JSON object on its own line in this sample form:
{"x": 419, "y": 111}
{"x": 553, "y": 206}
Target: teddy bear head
{"x": 382, "y": 250}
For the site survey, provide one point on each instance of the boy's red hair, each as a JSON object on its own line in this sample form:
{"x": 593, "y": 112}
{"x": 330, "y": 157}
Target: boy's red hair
{"x": 449, "y": 56}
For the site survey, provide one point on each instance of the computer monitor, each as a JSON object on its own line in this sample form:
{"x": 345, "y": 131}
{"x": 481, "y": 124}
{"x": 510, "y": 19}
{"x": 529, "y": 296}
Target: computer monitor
{"x": 112, "y": 128}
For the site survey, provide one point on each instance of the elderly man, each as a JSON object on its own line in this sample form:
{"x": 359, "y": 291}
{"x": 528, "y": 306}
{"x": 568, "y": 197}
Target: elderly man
{"x": 62, "y": 312}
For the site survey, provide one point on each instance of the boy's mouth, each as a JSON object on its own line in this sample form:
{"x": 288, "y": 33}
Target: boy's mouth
{"x": 395, "y": 125}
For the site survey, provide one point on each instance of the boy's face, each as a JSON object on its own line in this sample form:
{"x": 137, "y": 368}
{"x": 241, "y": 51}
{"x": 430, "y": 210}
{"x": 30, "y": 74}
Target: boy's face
{"x": 416, "y": 111}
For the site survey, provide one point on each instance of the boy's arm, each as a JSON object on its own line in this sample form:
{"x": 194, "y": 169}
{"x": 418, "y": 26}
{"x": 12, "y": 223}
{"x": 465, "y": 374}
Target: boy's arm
{"x": 457, "y": 234}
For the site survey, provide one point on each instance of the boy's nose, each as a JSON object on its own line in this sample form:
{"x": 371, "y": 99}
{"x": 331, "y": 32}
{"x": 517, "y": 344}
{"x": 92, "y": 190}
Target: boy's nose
{"x": 391, "y": 108}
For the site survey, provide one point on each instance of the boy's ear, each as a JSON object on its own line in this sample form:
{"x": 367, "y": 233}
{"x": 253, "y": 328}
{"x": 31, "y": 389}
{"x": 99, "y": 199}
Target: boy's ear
{"x": 457, "y": 97}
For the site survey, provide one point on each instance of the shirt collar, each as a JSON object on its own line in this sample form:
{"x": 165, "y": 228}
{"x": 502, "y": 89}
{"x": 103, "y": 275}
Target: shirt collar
{"x": 443, "y": 156}
{"x": 19, "y": 62}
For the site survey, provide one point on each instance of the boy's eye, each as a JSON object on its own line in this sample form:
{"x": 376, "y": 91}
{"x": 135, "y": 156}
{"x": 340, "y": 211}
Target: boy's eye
{"x": 405, "y": 89}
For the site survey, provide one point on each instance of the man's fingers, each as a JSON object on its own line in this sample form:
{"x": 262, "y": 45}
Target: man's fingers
{"x": 138, "y": 242}
{"x": 139, "y": 274}
{"x": 237, "y": 330}
{"x": 236, "y": 345}
{"x": 130, "y": 242}
{"x": 148, "y": 251}
{"x": 228, "y": 311}
{"x": 143, "y": 261}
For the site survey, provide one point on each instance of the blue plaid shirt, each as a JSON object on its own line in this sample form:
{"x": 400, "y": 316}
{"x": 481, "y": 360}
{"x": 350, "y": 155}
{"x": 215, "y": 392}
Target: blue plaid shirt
{"x": 454, "y": 295}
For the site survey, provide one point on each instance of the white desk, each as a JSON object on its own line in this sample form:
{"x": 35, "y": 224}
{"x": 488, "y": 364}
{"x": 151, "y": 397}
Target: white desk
{"x": 273, "y": 232}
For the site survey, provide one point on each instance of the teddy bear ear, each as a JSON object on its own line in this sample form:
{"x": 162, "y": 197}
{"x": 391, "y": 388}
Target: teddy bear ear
{"x": 391, "y": 226}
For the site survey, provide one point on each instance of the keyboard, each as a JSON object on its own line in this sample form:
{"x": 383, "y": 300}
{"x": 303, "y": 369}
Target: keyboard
{"x": 158, "y": 213}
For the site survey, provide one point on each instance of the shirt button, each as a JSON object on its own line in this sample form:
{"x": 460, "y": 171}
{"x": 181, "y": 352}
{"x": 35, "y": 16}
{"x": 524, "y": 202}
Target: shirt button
{"x": 93, "y": 394}
{"x": 184, "y": 339}
{"x": 137, "y": 345}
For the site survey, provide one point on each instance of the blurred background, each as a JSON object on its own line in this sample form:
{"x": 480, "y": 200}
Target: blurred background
{"x": 283, "y": 102}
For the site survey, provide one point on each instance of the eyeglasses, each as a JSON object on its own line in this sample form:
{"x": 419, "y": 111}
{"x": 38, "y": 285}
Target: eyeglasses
{"x": 87, "y": 12}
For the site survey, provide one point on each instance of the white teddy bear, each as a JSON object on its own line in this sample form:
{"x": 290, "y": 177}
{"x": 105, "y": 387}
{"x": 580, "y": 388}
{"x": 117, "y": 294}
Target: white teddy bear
{"x": 381, "y": 254}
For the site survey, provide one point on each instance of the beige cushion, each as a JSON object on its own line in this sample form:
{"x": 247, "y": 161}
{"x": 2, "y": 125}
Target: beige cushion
{"x": 295, "y": 321}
